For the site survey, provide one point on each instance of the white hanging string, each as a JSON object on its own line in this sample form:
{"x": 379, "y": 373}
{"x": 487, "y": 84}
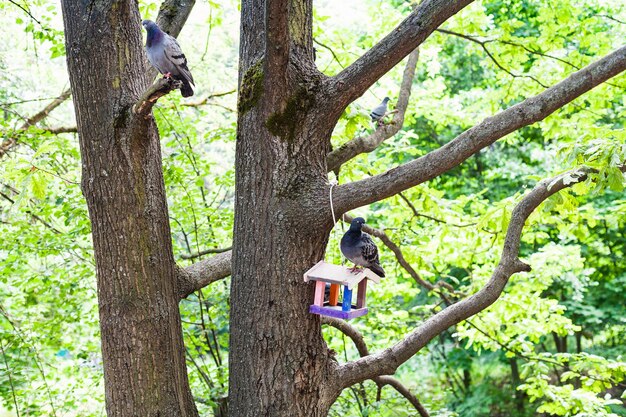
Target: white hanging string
{"x": 330, "y": 197}
{"x": 332, "y": 210}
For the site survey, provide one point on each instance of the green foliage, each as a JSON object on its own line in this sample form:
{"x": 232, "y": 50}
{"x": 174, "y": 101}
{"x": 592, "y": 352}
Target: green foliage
{"x": 553, "y": 343}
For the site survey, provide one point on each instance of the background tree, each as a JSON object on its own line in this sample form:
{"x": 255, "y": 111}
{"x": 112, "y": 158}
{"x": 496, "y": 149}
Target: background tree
{"x": 279, "y": 363}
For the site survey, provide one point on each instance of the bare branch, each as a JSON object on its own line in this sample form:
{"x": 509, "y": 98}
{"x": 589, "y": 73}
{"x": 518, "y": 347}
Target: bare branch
{"x": 426, "y": 216}
{"x": 27, "y": 11}
{"x": 205, "y": 252}
{"x": 204, "y": 101}
{"x": 387, "y": 361}
{"x": 357, "y": 338}
{"x": 203, "y": 273}
{"x": 328, "y": 48}
{"x": 483, "y": 45}
{"x": 11, "y": 141}
{"x": 352, "y": 82}
{"x": 60, "y": 129}
{"x": 435, "y": 163}
{"x": 148, "y": 99}
{"x": 404, "y": 391}
{"x": 368, "y": 143}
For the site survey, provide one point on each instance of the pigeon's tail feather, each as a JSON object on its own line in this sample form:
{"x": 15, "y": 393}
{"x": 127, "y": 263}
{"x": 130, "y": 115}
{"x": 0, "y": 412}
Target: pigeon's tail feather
{"x": 377, "y": 269}
{"x": 186, "y": 90}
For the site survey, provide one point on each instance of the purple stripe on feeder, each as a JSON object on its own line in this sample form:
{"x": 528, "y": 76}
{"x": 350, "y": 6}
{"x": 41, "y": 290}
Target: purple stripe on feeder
{"x": 335, "y": 312}
{"x": 346, "y": 302}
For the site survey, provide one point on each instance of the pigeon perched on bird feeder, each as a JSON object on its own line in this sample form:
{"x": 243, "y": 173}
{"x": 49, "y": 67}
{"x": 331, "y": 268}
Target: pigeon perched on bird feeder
{"x": 359, "y": 248}
{"x": 379, "y": 111}
{"x": 165, "y": 55}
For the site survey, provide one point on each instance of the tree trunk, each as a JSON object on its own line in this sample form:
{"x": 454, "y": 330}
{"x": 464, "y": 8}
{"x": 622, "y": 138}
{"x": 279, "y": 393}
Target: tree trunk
{"x": 279, "y": 363}
{"x": 142, "y": 348}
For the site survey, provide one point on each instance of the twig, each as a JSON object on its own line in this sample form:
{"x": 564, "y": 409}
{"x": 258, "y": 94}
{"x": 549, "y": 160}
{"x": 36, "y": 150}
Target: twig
{"x": 331, "y": 51}
{"x": 205, "y": 252}
{"x": 207, "y": 98}
{"x": 28, "y": 13}
{"x": 6, "y": 364}
{"x": 11, "y": 141}
{"x": 483, "y": 45}
{"x": 357, "y": 338}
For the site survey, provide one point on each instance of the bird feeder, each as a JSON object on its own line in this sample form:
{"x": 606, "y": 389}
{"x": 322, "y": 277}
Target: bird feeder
{"x": 335, "y": 275}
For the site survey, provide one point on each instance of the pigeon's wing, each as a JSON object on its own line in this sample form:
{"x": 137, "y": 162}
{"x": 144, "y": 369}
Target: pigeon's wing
{"x": 369, "y": 251}
{"x": 175, "y": 55}
{"x": 379, "y": 111}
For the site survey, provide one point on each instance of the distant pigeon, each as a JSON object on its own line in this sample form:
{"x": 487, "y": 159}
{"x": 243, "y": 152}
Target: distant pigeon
{"x": 379, "y": 111}
{"x": 165, "y": 55}
{"x": 359, "y": 248}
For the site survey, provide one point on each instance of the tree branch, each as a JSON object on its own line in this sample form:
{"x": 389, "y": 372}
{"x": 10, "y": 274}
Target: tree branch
{"x": 203, "y": 273}
{"x": 368, "y": 143}
{"x": 483, "y": 45}
{"x": 148, "y": 99}
{"x": 11, "y": 141}
{"x": 404, "y": 391}
{"x": 205, "y": 252}
{"x": 204, "y": 101}
{"x": 357, "y": 338}
{"x": 399, "y": 256}
{"x": 352, "y": 82}
{"x": 387, "y": 361}
{"x": 173, "y": 14}
{"x": 435, "y": 163}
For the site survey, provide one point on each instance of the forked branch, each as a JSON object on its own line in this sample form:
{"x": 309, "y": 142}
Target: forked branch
{"x": 357, "y": 338}
{"x": 435, "y": 163}
{"x": 363, "y": 144}
{"x": 352, "y": 82}
{"x": 387, "y": 361}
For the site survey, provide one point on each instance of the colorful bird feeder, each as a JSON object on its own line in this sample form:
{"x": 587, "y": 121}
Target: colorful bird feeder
{"x": 335, "y": 275}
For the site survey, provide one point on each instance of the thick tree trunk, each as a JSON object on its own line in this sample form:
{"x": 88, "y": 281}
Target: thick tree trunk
{"x": 279, "y": 363}
{"x": 143, "y": 355}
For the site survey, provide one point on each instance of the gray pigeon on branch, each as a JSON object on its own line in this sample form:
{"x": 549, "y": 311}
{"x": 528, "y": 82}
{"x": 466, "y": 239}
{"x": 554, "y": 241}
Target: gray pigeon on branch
{"x": 359, "y": 248}
{"x": 165, "y": 55}
{"x": 379, "y": 111}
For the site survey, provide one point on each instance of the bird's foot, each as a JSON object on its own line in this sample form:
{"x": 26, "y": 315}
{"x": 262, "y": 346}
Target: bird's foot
{"x": 356, "y": 269}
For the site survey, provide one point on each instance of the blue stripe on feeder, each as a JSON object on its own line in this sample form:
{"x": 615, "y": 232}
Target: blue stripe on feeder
{"x": 323, "y": 273}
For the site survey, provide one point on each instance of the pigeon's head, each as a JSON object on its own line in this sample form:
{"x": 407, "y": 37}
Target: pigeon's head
{"x": 149, "y": 25}
{"x": 386, "y": 100}
{"x": 357, "y": 223}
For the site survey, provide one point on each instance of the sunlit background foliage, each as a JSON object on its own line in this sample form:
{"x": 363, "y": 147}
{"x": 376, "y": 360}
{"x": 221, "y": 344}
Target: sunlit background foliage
{"x": 552, "y": 345}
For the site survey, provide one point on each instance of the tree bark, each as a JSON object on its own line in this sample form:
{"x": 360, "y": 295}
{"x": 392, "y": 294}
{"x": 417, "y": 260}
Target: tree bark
{"x": 278, "y": 359}
{"x": 142, "y": 347}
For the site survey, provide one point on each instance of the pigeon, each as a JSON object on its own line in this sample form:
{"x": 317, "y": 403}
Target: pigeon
{"x": 379, "y": 111}
{"x": 359, "y": 248}
{"x": 165, "y": 55}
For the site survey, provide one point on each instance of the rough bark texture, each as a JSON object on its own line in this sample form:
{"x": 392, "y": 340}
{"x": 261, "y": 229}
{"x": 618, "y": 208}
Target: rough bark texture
{"x": 143, "y": 355}
{"x": 278, "y": 359}
{"x": 279, "y": 363}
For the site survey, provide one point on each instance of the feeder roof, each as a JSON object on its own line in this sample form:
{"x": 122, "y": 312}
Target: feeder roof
{"x": 336, "y": 274}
